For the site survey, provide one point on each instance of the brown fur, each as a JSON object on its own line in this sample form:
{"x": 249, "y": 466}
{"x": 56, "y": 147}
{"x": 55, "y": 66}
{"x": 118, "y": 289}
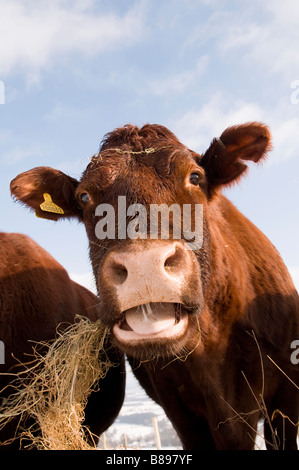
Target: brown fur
{"x": 218, "y": 381}
{"x": 37, "y": 295}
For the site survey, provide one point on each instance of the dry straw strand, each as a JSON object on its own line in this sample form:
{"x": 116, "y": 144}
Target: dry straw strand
{"x": 54, "y": 391}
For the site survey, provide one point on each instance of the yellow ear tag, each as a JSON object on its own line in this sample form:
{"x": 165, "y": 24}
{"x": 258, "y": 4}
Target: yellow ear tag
{"x": 49, "y": 206}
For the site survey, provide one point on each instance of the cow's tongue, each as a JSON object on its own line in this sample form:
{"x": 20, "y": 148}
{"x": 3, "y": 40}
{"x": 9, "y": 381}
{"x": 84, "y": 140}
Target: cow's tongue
{"x": 152, "y": 318}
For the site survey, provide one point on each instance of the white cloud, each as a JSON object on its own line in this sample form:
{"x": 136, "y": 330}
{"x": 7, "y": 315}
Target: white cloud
{"x": 64, "y": 111}
{"x": 18, "y": 154}
{"x": 198, "y": 127}
{"x": 179, "y": 82}
{"x": 271, "y": 41}
{"x": 34, "y": 35}
{"x": 285, "y": 140}
{"x": 260, "y": 34}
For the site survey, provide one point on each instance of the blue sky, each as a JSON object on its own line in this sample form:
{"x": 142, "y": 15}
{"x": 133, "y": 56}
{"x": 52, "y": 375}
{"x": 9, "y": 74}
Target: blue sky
{"x": 75, "y": 69}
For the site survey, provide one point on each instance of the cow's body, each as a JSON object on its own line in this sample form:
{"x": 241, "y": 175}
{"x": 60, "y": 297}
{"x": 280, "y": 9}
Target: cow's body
{"x": 198, "y": 324}
{"x": 37, "y": 295}
{"x": 228, "y": 379}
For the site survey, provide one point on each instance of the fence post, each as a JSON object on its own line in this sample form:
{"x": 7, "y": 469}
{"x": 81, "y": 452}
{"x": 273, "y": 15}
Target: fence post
{"x": 104, "y": 441}
{"x": 2, "y": 352}
{"x": 157, "y": 434}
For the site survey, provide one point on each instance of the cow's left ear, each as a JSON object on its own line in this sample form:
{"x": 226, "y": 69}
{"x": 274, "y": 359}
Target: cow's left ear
{"x": 49, "y": 192}
{"x": 224, "y": 161}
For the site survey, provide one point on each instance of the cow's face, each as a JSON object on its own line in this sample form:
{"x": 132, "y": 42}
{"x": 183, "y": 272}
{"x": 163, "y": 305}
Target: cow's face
{"x": 149, "y": 281}
{"x": 145, "y": 201}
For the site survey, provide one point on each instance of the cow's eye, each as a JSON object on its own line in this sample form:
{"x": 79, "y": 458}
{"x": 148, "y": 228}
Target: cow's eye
{"x": 84, "y": 197}
{"x": 194, "y": 179}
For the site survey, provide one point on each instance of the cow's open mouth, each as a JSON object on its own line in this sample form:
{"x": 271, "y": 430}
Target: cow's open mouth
{"x": 152, "y": 321}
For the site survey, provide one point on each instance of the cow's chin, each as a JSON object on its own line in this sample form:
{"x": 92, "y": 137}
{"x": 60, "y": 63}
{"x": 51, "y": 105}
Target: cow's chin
{"x": 153, "y": 329}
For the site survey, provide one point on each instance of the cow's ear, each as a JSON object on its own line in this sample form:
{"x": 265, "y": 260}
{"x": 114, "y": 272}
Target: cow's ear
{"x": 224, "y": 161}
{"x": 49, "y": 192}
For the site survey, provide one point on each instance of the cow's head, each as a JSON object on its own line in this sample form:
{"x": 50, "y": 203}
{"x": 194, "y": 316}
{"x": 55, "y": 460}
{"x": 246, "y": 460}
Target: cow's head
{"x": 152, "y": 279}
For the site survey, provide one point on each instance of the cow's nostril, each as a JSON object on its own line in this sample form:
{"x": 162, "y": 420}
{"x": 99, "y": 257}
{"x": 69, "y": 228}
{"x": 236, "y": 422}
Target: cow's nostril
{"x": 173, "y": 262}
{"x": 120, "y": 273}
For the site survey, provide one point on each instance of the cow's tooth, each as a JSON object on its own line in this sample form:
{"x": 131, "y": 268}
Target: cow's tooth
{"x": 177, "y": 313}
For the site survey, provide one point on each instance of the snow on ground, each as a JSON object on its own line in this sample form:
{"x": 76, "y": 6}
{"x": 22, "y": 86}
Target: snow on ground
{"x": 135, "y": 422}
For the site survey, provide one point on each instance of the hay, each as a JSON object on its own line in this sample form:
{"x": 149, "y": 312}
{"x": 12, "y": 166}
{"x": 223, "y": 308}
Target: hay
{"x": 54, "y": 390}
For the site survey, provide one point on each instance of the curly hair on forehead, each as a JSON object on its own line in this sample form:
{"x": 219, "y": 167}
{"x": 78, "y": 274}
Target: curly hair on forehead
{"x": 136, "y": 139}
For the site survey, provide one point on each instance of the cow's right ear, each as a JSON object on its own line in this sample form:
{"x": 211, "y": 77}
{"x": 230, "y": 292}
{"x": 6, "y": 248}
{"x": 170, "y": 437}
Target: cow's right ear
{"x": 49, "y": 192}
{"x": 225, "y": 160}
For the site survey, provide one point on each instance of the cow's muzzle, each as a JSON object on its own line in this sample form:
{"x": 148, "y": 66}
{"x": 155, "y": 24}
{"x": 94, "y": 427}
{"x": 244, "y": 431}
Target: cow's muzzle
{"x": 148, "y": 283}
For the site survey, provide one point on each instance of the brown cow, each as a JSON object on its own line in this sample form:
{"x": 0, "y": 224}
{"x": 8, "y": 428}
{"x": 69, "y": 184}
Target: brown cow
{"x": 36, "y": 295}
{"x": 198, "y": 324}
